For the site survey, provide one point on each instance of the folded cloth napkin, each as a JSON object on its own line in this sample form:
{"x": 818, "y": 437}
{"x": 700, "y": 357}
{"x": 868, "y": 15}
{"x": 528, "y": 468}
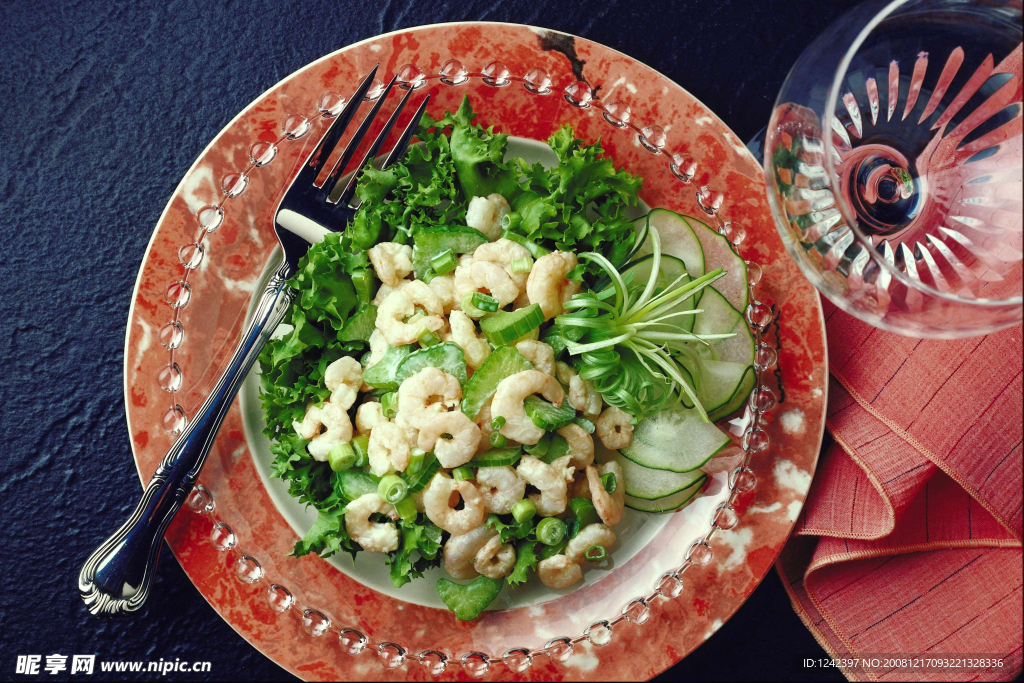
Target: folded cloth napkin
{"x": 910, "y": 540}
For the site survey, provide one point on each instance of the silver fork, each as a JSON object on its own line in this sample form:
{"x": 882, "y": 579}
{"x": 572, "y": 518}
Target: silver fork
{"x": 118, "y": 575}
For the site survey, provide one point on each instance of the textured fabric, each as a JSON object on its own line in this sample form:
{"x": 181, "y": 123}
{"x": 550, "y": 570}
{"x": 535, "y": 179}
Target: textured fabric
{"x": 910, "y": 541}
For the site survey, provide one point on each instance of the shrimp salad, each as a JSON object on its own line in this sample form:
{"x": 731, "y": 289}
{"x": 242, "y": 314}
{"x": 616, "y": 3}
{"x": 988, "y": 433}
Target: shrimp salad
{"x": 454, "y": 360}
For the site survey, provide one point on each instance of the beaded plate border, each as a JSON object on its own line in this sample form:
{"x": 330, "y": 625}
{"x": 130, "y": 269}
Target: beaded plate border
{"x": 637, "y": 611}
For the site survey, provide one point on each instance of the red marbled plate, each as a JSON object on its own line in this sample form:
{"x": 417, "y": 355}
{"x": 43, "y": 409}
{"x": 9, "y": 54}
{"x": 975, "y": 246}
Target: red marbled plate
{"x": 223, "y": 285}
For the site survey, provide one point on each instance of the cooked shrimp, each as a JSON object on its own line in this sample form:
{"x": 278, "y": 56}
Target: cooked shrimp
{"x": 581, "y": 446}
{"x": 582, "y": 395}
{"x": 442, "y": 495}
{"x": 485, "y": 213}
{"x": 368, "y": 416}
{"x": 427, "y": 394}
{"x": 444, "y": 287}
{"x": 490, "y": 277}
{"x": 495, "y": 560}
{"x": 475, "y": 349}
{"x": 508, "y": 402}
{"x": 343, "y": 378}
{"x": 401, "y": 305}
{"x": 609, "y": 505}
{"x": 338, "y": 429}
{"x": 565, "y": 468}
{"x": 579, "y": 487}
{"x": 547, "y": 284}
{"x": 460, "y": 552}
{"x": 504, "y": 252}
{"x": 549, "y": 481}
{"x": 376, "y": 537}
{"x": 391, "y": 261}
{"x": 388, "y": 450}
{"x": 500, "y": 487}
{"x": 588, "y": 537}
{"x": 558, "y": 571}
{"x": 540, "y": 354}
{"x": 310, "y": 424}
{"x": 614, "y": 428}
{"x": 452, "y": 436}
{"x": 483, "y": 420}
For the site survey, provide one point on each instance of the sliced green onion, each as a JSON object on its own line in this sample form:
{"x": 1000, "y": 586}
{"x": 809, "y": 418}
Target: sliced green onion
{"x": 609, "y": 482}
{"x": 498, "y": 440}
{"x": 466, "y": 304}
{"x": 444, "y": 262}
{"x": 392, "y": 488}
{"x": 550, "y": 530}
{"x": 462, "y": 473}
{"x": 521, "y": 265}
{"x": 415, "y": 317}
{"x": 511, "y": 220}
{"x": 524, "y": 510}
{"x": 389, "y": 404}
{"x": 429, "y": 275}
{"x": 595, "y": 553}
{"x": 406, "y": 509}
{"x": 363, "y": 280}
{"x": 428, "y": 338}
{"x": 584, "y": 511}
{"x": 484, "y": 302}
{"x": 573, "y": 525}
{"x": 342, "y": 457}
{"x": 498, "y": 422}
{"x": 416, "y": 460}
{"x": 361, "y": 444}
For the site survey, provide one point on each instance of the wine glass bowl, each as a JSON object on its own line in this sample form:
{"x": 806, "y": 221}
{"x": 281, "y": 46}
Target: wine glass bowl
{"x": 893, "y": 163}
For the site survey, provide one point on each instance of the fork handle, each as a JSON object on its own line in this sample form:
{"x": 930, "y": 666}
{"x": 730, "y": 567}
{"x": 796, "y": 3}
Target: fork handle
{"x": 118, "y": 575}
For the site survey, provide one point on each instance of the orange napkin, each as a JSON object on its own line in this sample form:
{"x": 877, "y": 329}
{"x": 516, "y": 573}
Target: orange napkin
{"x": 910, "y": 540}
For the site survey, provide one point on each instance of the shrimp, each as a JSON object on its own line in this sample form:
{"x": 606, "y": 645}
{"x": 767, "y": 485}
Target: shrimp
{"x": 483, "y": 420}
{"x": 558, "y": 571}
{"x": 391, "y": 261}
{"x": 504, "y": 252}
{"x": 609, "y": 505}
{"x": 444, "y": 287}
{"x": 553, "y": 495}
{"x": 310, "y": 424}
{"x": 368, "y": 416}
{"x": 338, "y": 429}
{"x": 485, "y": 214}
{"x": 581, "y": 446}
{"x": 587, "y": 538}
{"x": 565, "y": 468}
{"x": 460, "y": 552}
{"x": 427, "y": 394}
{"x": 508, "y": 402}
{"x": 500, "y": 487}
{"x": 442, "y": 495}
{"x": 495, "y": 560}
{"x": 614, "y": 428}
{"x": 464, "y": 334}
{"x": 388, "y": 450}
{"x": 540, "y": 354}
{"x": 373, "y": 536}
{"x": 582, "y": 395}
{"x": 400, "y": 305}
{"x": 547, "y": 284}
{"x": 492, "y": 278}
{"x": 579, "y": 487}
{"x": 452, "y": 436}
{"x": 343, "y": 378}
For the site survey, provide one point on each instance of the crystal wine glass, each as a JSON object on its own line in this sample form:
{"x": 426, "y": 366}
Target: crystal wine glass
{"x": 893, "y": 165}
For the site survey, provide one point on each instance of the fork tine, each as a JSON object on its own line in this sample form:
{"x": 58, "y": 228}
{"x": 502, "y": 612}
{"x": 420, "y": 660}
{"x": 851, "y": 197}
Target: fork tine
{"x": 346, "y": 195}
{"x": 318, "y": 157}
{"x": 353, "y": 144}
{"x": 410, "y": 129}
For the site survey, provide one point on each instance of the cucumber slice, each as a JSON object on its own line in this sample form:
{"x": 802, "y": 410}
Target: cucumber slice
{"x": 641, "y": 227}
{"x": 417, "y": 482}
{"x": 548, "y": 416}
{"x": 725, "y": 383}
{"x": 738, "y": 398}
{"x": 355, "y": 483}
{"x": 717, "y": 316}
{"x": 675, "y": 440}
{"x": 718, "y": 253}
{"x": 677, "y": 239}
{"x": 430, "y": 240}
{"x": 381, "y": 375}
{"x": 557, "y": 446}
{"x": 671, "y": 268}
{"x": 719, "y": 381}
{"x": 448, "y": 356}
{"x": 647, "y": 484}
{"x": 360, "y": 325}
{"x": 668, "y": 503}
{"x": 504, "y": 362}
{"x": 507, "y": 326}
{"x": 497, "y": 457}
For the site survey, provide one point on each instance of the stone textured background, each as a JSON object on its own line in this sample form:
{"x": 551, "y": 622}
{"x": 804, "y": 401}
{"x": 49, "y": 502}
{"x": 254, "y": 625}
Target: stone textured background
{"x": 105, "y": 104}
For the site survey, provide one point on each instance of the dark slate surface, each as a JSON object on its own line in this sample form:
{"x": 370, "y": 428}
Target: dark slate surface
{"x": 104, "y": 107}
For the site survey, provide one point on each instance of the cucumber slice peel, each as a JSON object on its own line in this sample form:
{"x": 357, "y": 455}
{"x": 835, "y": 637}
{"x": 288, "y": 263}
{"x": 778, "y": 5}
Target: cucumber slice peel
{"x": 675, "y": 440}
{"x": 496, "y": 457}
{"x": 431, "y": 240}
{"x": 507, "y": 326}
{"x": 381, "y": 375}
{"x": 668, "y": 503}
{"x": 447, "y": 356}
{"x": 548, "y": 416}
{"x": 504, "y": 362}
{"x": 647, "y": 484}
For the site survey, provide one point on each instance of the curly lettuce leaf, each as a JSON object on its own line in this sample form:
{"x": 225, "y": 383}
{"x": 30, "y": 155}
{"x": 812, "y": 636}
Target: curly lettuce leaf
{"x": 526, "y": 559}
{"x": 419, "y": 550}
{"x": 326, "y": 537}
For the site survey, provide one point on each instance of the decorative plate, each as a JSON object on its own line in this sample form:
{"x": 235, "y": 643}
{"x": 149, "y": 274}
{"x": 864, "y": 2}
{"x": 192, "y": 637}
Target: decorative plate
{"x": 322, "y": 619}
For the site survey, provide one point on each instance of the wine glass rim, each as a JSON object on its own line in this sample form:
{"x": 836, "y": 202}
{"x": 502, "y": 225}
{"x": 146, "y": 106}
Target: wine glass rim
{"x": 828, "y": 116}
